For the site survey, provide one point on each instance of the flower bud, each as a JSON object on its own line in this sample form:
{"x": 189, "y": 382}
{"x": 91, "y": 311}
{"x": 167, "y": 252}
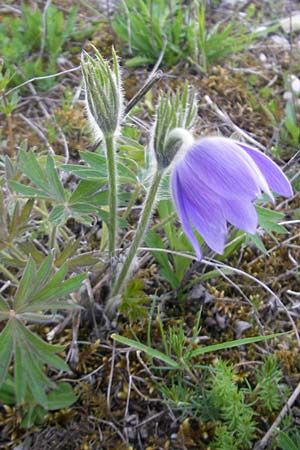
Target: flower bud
{"x": 176, "y": 142}
{"x": 175, "y": 115}
{"x": 103, "y": 91}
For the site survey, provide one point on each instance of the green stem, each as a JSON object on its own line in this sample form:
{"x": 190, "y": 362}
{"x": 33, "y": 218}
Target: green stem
{"x": 132, "y": 201}
{"x": 139, "y": 235}
{"x": 163, "y": 222}
{"x": 112, "y": 199}
{"x": 52, "y": 240}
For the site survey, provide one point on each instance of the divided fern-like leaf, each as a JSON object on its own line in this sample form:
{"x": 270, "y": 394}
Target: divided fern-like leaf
{"x": 40, "y": 289}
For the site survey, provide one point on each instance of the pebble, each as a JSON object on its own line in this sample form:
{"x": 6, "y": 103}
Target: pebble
{"x": 262, "y": 57}
{"x": 280, "y": 40}
{"x": 288, "y": 96}
{"x": 291, "y": 24}
{"x": 295, "y": 84}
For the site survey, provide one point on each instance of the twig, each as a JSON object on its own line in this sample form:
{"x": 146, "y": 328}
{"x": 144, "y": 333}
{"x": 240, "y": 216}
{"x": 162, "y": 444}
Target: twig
{"x": 110, "y": 380}
{"x": 38, "y": 132}
{"x": 10, "y": 9}
{"x": 151, "y": 80}
{"x": 33, "y": 91}
{"x": 129, "y": 386}
{"x": 60, "y": 327}
{"x": 111, "y": 424}
{"x": 73, "y": 352}
{"x": 58, "y": 74}
{"x": 5, "y": 286}
{"x": 283, "y": 243}
{"x": 65, "y": 143}
{"x": 224, "y": 116}
{"x": 264, "y": 441}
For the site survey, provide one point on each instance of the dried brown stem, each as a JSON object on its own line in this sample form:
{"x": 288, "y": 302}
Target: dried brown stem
{"x": 264, "y": 441}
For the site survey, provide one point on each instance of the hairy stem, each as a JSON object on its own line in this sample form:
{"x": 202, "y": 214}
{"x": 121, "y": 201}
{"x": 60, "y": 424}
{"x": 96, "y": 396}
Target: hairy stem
{"x": 112, "y": 199}
{"x": 139, "y": 235}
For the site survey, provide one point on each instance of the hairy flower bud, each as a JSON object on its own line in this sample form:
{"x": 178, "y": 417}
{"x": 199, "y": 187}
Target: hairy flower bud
{"x": 175, "y": 115}
{"x": 104, "y": 98}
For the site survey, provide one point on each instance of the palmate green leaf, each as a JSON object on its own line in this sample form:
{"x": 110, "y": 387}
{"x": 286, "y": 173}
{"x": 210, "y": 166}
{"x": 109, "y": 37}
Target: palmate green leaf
{"x": 14, "y": 221}
{"x": 68, "y": 251}
{"x": 257, "y": 242}
{"x": 46, "y": 180}
{"x": 82, "y": 208}
{"x": 3, "y": 215}
{"x": 31, "y": 353}
{"x": 31, "y": 168}
{"x": 47, "y": 298}
{"x": 32, "y": 281}
{"x": 62, "y": 396}
{"x": 27, "y": 191}
{"x": 85, "y": 173}
{"x": 268, "y": 220}
{"x": 59, "y": 215}
{"x": 96, "y": 161}
{"x": 53, "y": 181}
{"x": 43, "y": 273}
{"x": 97, "y": 171}
{"x": 45, "y": 351}
{"x": 6, "y": 350}
{"x": 3, "y": 305}
{"x": 83, "y": 260}
{"x": 20, "y": 375}
{"x": 85, "y": 190}
{"x": 12, "y": 261}
{"x": 19, "y": 218}
{"x": 29, "y": 375}
{"x": 53, "y": 305}
{"x": 29, "y": 248}
{"x": 7, "y": 391}
{"x": 40, "y": 289}
{"x": 26, "y": 284}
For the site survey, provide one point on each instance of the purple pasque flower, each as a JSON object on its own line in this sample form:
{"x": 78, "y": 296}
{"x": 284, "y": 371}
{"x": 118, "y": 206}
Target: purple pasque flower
{"x": 217, "y": 181}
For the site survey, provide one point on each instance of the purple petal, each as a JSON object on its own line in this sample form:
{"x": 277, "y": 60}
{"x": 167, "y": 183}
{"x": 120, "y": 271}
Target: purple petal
{"x": 213, "y": 235}
{"x": 241, "y": 213}
{"x": 220, "y": 164}
{"x": 179, "y": 203}
{"x": 274, "y": 176}
{"x": 203, "y": 209}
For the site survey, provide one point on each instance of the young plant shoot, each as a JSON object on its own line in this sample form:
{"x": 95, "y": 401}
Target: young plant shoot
{"x": 104, "y": 102}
